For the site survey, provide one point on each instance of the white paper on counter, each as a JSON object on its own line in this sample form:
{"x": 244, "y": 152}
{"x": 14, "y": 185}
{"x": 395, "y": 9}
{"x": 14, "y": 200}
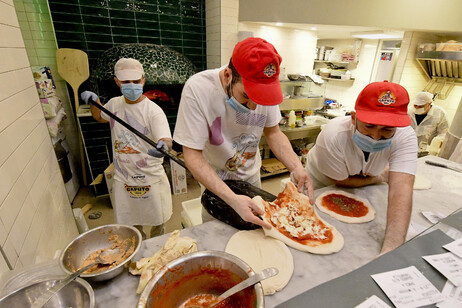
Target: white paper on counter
{"x": 455, "y": 247}
{"x": 373, "y": 302}
{"x": 408, "y": 288}
{"x": 414, "y": 230}
{"x": 432, "y": 216}
{"x": 447, "y": 264}
{"x": 453, "y": 296}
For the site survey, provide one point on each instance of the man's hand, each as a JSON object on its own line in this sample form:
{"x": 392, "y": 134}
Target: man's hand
{"x": 302, "y": 180}
{"x": 160, "y": 145}
{"x": 248, "y": 209}
{"x": 87, "y": 95}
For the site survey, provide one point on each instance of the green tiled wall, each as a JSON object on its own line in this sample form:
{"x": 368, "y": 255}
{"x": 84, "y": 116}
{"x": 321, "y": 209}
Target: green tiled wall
{"x": 97, "y": 25}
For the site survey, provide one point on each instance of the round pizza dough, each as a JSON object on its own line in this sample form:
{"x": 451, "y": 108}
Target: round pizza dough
{"x": 352, "y": 220}
{"x": 261, "y": 252}
{"x": 421, "y": 182}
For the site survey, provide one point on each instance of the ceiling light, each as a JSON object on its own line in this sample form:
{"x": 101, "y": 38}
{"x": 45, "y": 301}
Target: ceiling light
{"x": 279, "y": 24}
{"x": 314, "y": 28}
{"x": 377, "y": 35}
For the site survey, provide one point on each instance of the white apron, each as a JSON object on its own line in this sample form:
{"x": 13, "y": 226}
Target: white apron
{"x": 142, "y": 205}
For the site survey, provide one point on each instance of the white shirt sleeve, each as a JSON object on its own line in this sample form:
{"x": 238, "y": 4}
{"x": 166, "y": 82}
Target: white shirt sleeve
{"x": 159, "y": 125}
{"x": 191, "y": 127}
{"x": 403, "y": 158}
{"x": 273, "y": 116}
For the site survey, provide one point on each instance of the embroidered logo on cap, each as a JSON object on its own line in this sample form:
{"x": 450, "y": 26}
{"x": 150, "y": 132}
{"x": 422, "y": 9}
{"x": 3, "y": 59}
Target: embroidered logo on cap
{"x": 387, "y": 98}
{"x": 270, "y": 70}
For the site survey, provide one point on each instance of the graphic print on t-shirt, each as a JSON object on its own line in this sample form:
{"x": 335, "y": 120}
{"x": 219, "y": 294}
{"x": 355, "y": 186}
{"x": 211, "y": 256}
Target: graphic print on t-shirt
{"x": 215, "y": 135}
{"x": 241, "y": 144}
{"x": 123, "y": 142}
{"x": 251, "y": 119}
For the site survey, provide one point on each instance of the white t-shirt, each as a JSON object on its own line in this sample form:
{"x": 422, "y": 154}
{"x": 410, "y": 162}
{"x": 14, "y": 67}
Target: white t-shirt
{"x": 132, "y": 164}
{"x": 336, "y": 156}
{"x": 229, "y": 139}
{"x": 434, "y": 124}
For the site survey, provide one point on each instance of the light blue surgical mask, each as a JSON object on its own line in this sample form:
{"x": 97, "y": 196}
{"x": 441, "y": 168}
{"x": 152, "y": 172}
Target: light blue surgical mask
{"x": 368, "y": 144}
{"x": 132, "y": 91}
{"x": 232, "y": 101}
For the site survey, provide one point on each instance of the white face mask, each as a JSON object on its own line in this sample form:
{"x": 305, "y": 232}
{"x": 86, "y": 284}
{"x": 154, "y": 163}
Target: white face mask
{"x": 420, "y": 111}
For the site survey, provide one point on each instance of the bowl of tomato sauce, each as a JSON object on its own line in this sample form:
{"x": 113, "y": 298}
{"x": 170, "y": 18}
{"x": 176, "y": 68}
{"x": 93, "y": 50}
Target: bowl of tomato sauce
{"x": 197, "y": 279}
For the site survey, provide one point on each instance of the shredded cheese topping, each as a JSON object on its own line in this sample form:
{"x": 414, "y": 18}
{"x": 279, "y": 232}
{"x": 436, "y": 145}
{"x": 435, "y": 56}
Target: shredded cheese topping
{"x": 295, "y": 221}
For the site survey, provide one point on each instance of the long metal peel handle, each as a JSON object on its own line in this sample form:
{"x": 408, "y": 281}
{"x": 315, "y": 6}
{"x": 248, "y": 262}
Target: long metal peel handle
{"x": 264, "y": 274}
{"x": 48, "y": 294}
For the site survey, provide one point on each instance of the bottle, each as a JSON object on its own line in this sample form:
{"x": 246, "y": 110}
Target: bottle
{"x": 347, "y": 75}
{"x": 292, "y": 119}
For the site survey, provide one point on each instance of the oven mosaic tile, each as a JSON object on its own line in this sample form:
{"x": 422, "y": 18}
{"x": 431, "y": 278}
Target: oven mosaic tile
{"x": 97, "y": 25}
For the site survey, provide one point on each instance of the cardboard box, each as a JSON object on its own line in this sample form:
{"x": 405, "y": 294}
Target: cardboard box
{"x": 179, "y": 185}
{"x": 272, "y": 165}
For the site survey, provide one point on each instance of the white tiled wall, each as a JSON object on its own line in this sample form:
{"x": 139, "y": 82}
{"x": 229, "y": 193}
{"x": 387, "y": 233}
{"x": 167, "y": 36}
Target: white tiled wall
{"x": 35, "y": 214}
{"x": 37, "y": 30}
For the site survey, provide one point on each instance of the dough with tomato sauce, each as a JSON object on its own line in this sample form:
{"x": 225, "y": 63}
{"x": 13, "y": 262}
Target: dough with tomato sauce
{"x": 294, "y": 221}
{"x": 348, "y": 209}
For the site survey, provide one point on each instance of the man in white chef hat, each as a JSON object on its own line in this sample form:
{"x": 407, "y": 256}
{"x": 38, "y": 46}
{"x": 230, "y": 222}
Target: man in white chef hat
{"x": 374, "y": 145}
{"x": 141, "y": 189}
{"x": 428, "y": 120}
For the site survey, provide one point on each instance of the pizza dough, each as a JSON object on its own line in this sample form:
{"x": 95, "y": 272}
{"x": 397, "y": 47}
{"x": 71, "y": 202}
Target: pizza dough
{"x": 261, "y": 252}
{"x": 421, "y": 182}
{"x": 348, "y": 219}
{"x": 296, "y": 223}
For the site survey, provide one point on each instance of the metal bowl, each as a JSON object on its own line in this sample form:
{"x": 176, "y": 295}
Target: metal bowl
{"x": 86, "y": 243}
{"x": 202, "y": 272}
{"x": 77, "y": 294}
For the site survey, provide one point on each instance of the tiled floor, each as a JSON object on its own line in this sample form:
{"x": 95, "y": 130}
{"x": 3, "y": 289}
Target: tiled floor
{"x": 102, "y": 204}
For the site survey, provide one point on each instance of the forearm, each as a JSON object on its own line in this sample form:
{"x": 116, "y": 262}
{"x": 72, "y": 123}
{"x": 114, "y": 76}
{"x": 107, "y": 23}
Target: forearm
{"x": 204, "y": 173}
{"x": 358, "y": 181}
{"x": 282, "y": 149}
{"x": 96, "y": 112}
{"x": 399, "y": 209}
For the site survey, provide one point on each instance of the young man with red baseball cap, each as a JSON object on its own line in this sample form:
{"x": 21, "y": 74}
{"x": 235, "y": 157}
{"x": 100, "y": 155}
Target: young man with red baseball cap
{"x": 376, "y": 144}
{"x": 223, "y": 114}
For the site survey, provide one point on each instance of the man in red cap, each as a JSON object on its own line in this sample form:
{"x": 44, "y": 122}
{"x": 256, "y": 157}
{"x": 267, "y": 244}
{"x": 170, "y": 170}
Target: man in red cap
{"x": 223, "y": 114}
{"x": 376, "y": 144}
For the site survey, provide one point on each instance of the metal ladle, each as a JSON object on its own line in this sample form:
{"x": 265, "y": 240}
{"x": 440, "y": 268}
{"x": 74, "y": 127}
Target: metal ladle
{"x": 264, "y": 274}
{"x": 101, "y": 259}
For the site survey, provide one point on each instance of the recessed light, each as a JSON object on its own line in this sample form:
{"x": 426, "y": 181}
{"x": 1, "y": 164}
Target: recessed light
{"x": 314, "y": 28}
{"x": 279, "y": 24}
{"x": 377, "y": 35}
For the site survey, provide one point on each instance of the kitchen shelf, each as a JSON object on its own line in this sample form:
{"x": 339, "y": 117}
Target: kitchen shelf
{"x": 264, "y": 174}
{"x": 336, "y": 62}
{"x": 338, "y": 79}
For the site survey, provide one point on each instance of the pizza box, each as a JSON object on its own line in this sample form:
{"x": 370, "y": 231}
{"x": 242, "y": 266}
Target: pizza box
{"x": 272, "y": 165}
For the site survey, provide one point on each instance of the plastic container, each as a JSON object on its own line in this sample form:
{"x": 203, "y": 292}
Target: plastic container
{"x": 292, "y": 119}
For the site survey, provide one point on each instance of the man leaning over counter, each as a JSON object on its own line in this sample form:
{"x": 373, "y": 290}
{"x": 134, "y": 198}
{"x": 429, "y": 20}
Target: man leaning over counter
{"x": 223, "y": 113}
{"x": 376, "y": 144}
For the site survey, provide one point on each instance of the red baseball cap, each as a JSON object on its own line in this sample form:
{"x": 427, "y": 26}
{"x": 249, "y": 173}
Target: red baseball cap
{"x": 383, "y": 103}
{"x": 257, "y": 61}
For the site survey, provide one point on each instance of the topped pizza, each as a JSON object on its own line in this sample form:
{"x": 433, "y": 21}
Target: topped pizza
{"x": 295, "y": 222}
{"x": 345, "y": 207}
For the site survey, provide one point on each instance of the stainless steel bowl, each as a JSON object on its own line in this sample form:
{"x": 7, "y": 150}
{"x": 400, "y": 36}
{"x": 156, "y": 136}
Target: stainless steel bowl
{"x": 86, "y": 243}
{"x": 77, "y": 294}
{"x": 202, "y": 272}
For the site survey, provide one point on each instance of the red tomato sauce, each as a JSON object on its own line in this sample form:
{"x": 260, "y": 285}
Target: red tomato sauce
{"x": 344, "y": 205}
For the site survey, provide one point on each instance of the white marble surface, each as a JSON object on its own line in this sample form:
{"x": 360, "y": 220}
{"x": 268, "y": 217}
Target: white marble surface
{"x": 362, "y": 241}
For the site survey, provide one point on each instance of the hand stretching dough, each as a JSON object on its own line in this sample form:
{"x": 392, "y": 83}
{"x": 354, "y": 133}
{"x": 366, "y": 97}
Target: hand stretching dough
{"x": 261, "y": 252}
{"x": 296, "y": 223}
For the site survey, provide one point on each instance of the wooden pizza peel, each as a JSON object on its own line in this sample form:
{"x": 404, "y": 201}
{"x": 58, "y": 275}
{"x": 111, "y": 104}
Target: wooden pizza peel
{"x": 74, "y": 69}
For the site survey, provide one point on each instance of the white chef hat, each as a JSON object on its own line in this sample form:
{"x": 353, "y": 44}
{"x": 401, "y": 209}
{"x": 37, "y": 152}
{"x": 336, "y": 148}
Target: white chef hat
{"x": 422, "y": 98}
{"x": 128, "y": 69}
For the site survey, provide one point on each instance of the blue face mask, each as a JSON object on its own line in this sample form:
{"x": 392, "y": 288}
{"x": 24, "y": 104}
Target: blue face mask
{"x": 368, "y": 144}
{"x": 232, "y": 101}
{"x": 132, "y": 91}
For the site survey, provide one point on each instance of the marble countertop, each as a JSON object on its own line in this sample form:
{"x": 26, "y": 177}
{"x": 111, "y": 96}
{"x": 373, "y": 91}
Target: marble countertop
{"x": 362, "y": 241}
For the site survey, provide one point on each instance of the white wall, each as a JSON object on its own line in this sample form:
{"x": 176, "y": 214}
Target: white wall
{"x": 35, "y": 214}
